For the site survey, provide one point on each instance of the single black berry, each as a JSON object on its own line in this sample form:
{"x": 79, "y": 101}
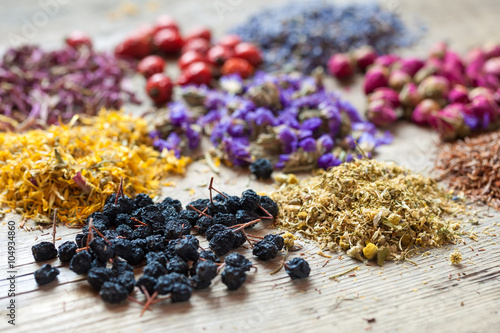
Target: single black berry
{"x": 262, "y": 168}
{"x": 44, "y": 251}
{"x": 46, "y": 274}
{"x": 297, "y": 268}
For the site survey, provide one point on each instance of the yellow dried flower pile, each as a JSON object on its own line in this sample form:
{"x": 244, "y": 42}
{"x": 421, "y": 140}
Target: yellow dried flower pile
{"x": 372, "y": 210}
{"x": 74, "y": 168}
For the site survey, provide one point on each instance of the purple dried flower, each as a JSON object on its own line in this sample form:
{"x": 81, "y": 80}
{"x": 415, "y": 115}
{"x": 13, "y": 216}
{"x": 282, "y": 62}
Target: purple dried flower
{"x": 312, "y": 124}
{"x": 328, "y": 160}
{"x": 325, "y": 143}
{"x": 308, "y": 144}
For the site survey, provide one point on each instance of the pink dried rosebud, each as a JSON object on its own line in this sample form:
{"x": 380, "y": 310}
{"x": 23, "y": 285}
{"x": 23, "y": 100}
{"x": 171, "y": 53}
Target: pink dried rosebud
{"x": 483, "y": 106}
{"x": 376, "y": 77}
{"x": 409, "y": 95}
{"x": 386, "y": 60}
{"x": 381, "y": 112}
{"x": 425, "y": 72}
{"x": 458, "y": 94}
{"x": 492, "y": 66}
{"x": 475, "y": 63}
{"x": 364, "y": 57}
{"x": 425, "y": 111}
{"x": 438, "y": 50}
{"x": 488, "y": 81}
{"x": 398, "y": 78}
{"x": 386, "y": 94}
{"x": 411, "y": 65}
{"x": 82, "y": 183}
{"x": 340, "y": 66}
{"x": 491, "y": 50}
{"x": 453, "y": 61}
{"x": 449, "y": 122}
{"x": 453, "y": 75}
{"x": 480, "y": 91}
{"x": 434, "y": 87}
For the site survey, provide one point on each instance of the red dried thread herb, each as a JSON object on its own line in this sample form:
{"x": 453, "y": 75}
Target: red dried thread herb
{"x": 473, "y": 166}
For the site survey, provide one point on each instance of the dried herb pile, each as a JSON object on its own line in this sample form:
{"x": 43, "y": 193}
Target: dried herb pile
{"x": 473, "y": 166}
{"x": 370, "y": 209}
{"x": 40, "y": 88}
{"x": 75, "y": 168}
{"x": 303, "y": 35}
{"x": 289, "y": 118}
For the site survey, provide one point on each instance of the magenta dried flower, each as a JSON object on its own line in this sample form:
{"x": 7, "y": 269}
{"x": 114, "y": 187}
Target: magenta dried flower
{"x": 458, "y": 94}
{"x": 340, "y": 66}
{"x": 438, "y": 50}
{"x": 411, "y": 65}
{"x": 483, "y": 106}
{"x": 398, "y": 78}
{"x": 364, "y": 57}
{"x": 409, "y": 95}
{"x": 492, "y": 66}
{"x": 425, "y": 111}
{"x": 387, "y": 94}
{"x": 376, "y": 77}
{"x": 386, "y": 60}
{"x": 434, "y": 87}
{"x": 381, "y": 112}
{"x": 449, "y": 122}
{"x": 492, "y": 50}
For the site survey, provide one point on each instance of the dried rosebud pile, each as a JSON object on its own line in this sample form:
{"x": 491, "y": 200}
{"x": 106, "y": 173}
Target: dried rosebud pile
{"x": 288, "y": 118}
{"x": 454, "y": 95}
{"x": 130, "y": 231}
{"x": 200, "y": 60}
{"x": 303, "y": 35}
{"x": 372, "y": 210}
{"x": 40, "y": 88}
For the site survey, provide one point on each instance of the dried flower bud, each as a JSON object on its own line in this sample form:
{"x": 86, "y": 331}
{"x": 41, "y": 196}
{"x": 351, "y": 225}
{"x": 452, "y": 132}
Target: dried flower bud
{"x": 411, "y": 65}
{"x": 475, "y": 63}
{"x": 478, "y": 91}
{"x": 484, "y": 107}
{"x": 425, "y": 111}
{"x": 449, "y": 122}
{"x": 434, "y": 87}
{"x": 438, "y": 50}
{"x": 387, "y": 60}
{"x": 492, "y": 50}
{"x": 409, "y": 95}
{"x": 425, "y": 72}
{"x": 492, "y": 66}
{"x": 340, "y": 66}
{"x": 381, "y": 112}
{"x": 386, "y": 94}
{"x": 376, "y": 77}
{"x": 364, "y": 57}
{"x": 458, "y": 94}
{"x": 398, "y": 78}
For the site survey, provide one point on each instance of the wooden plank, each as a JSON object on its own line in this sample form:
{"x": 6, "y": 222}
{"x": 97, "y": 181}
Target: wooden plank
{"x": 430, "y": 297}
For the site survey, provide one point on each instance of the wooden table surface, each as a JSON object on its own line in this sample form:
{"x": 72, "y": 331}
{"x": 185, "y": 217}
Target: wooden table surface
{"x": 401, "y": 297}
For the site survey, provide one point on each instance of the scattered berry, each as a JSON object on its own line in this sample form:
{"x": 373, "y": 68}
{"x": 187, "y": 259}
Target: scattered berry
{"x": 233, "y": 277}
{"x": 44, "y": 251}
{"x": 112, "y": 292}
{"x": 66, "y": 251}
{"x": 81, "y": 262}
{"x": 159, "y": 88}
{"x": 262, "y": 168}
{"x": 265, "y": 250}
{"x": 46, "y": 274}
{"x": 151, "y": 65}
{"x": 297, "y": 268}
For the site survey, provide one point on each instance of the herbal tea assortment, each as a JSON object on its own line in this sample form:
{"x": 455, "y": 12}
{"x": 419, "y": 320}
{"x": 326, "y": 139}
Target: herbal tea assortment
{"x": 257, "y": 100}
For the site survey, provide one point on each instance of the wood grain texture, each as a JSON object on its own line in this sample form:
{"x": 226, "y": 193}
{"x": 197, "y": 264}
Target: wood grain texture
{"x": 430, "y": 297}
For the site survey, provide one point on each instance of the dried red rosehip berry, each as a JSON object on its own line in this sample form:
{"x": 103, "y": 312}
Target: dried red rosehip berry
{"x": 133, "y": 46}
{"x": 229, "y": 41}
{"x": 151, "y": 65}
{"x": 196, "y": 73}
{"x": 159, "y": 87}
{"x": 199, "y": 32}
{"x": 249, "y": 52}
{"x": 190, "y": 57}
{"x": 218, "y": 54}
{"x": 165, "y": 22}
{"x": 77, "y": 39}
{"x": 198, "y": 44}
{"x": 237, "y": 66}
{"x": 168, "y": 41}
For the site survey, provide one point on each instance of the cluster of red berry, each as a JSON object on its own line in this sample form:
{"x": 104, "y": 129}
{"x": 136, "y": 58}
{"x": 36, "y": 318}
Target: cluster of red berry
{"x": 200, "y": 61}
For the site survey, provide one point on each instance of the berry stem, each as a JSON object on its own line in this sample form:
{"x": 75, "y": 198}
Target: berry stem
{"x": 100, "y": 234}
{"x": 138, "y": 221}
{"x": 202, "y": 213}
{"x": 120, "y": 190}
{"x": 244, "y": 225}
{"x": 54, "y": 225}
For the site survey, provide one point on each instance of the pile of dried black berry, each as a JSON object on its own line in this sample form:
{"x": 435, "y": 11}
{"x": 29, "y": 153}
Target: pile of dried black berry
{"x": 130, "y": 231}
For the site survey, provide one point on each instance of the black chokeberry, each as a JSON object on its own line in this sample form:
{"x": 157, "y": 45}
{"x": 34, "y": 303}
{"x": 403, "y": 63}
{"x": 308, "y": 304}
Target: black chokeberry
{"x": 143, "y": 200}
{"x": 265, "y": 250}
{"x": 187, "y": 250}
{"x": 44, "y": 251}
{"x": 238, "y": 260}
{"x": 249, "y": 200}
{"x": 66, "y": 251}
{"x": 96, "y": 276}
{"x": 262, "y": 168}
{"x": 81, "y": 262}
{"x": 276, "y": 239}
{"x": 149, "y": 282}
{"x": 233, "y": 277}
{"x": 222, "y": 242}
{"x": 297, "y": 268}
{"x": 112, "y": 292}
{"x": 46, "y": 274}
{"x": 101, "y": 249}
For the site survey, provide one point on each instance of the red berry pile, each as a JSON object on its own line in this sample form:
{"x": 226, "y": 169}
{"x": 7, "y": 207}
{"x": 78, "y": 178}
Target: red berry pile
{"x": 199, "y": 59}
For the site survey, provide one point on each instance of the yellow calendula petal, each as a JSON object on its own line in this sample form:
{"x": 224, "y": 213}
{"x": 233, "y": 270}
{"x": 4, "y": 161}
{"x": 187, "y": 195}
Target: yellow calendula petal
{"x": 37, "y": 168}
